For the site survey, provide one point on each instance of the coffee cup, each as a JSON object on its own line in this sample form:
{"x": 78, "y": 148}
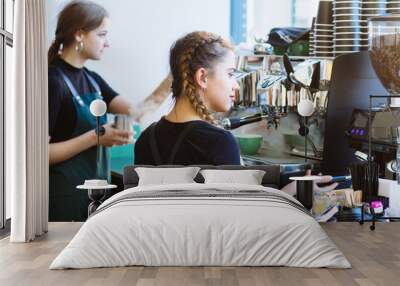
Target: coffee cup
{"x": 123, "y": 122}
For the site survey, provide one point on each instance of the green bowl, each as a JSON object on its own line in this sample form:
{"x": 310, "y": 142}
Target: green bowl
{"x": 279, "y": 51}
{"x": 298, "y": 48}
{"x": 250, "y": 143}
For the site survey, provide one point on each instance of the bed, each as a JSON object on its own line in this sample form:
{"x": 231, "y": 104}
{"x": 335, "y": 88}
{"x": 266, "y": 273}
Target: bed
{"x": 201, "y": 224}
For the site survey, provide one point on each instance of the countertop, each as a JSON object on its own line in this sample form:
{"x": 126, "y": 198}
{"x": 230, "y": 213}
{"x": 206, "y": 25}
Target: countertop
{"x": 122, "y": 156}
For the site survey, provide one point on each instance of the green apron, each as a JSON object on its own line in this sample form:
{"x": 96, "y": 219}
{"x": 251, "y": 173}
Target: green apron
{"x": 66, "y": 203}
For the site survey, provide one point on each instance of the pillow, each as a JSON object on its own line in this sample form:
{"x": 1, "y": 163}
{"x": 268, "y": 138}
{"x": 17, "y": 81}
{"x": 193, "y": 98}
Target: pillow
{"x": 248, "y": 177}
{"x": 163, "y": 176}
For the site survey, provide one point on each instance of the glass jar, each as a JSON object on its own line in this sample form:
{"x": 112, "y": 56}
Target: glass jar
{"x": 384, "y": 51}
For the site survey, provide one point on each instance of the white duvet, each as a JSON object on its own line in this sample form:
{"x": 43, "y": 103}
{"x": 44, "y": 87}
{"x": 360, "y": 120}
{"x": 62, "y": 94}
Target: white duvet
{"x": 207, "y": 230}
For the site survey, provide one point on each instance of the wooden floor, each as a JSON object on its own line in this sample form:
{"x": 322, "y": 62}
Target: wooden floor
{"x": 374, "y": 255}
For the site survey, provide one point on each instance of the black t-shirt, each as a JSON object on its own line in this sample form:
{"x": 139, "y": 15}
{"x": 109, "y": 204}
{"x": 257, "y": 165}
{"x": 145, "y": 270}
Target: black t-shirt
{"x": 62, "y": 112}
{"x": 205, "y": 144}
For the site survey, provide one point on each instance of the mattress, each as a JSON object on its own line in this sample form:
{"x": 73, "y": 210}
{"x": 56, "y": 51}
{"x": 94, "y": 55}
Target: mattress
{"x": 201, "y": 225}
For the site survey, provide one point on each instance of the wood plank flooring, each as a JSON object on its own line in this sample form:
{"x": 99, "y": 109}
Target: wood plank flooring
{"x": 374, "y": 255}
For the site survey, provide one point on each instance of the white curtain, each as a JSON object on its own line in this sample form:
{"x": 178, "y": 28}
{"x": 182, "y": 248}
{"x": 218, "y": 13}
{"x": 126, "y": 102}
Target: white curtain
{"x": 27, "y": 121}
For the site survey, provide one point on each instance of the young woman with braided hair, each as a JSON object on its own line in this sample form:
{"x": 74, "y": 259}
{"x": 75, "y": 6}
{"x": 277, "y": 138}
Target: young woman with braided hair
{"x": 202, "y": 67}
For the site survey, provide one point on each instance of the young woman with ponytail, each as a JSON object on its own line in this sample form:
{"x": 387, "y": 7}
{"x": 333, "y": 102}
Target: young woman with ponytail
{"x": 81, "y": 35}
{"x": 202, "y": 66}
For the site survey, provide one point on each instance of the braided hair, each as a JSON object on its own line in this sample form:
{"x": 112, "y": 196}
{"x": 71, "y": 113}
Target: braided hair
{"x": 188, "y": 54}
{"x": 77, "y": 15}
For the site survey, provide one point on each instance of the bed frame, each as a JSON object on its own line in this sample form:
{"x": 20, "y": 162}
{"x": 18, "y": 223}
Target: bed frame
{"x": 270, "y": 179}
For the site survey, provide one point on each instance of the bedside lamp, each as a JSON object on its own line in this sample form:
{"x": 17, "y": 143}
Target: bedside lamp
{"x": 98, "y": 108}
{"x": 97, "y": 187}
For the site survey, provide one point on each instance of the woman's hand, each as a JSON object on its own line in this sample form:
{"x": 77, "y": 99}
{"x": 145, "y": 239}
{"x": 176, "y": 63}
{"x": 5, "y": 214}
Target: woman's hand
{"x": 114, "y": 136}
{"x": 323, "y": 180}
{"x": 153, "y": 101}
{"x": 291, "y": 188}
{"x": 62, "y": 151}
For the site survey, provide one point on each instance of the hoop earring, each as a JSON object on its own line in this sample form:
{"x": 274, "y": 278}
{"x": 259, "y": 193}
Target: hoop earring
{"x": 60, "y": 49}
{"x": 79, "y": 46}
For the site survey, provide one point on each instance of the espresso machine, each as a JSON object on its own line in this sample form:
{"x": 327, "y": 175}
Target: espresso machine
{"x": 267, "y": 103}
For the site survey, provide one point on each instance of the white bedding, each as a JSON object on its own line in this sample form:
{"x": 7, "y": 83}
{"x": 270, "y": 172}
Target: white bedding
{"x": 190, "y": 230}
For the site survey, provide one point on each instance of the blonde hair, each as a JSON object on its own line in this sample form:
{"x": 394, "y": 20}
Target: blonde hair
{"x": 188, "y": 54}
